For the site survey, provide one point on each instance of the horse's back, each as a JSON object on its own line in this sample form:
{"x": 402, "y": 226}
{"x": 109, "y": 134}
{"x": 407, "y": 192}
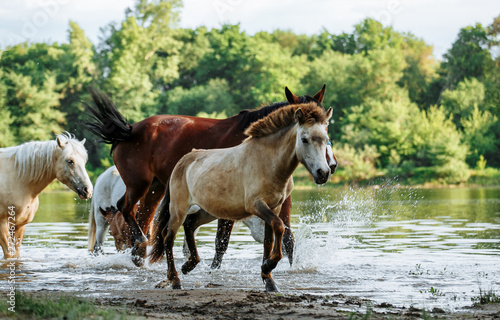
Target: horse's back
{"x": 213, "y": 181}
{"x": 108, "y": 189}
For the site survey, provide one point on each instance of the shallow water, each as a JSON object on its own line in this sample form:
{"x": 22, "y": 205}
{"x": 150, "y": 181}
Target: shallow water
{"x": 425, "y": 248}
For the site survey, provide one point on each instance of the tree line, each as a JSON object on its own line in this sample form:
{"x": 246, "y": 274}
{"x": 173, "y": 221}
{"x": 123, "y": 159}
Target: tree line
{"x": 397, "y": 110}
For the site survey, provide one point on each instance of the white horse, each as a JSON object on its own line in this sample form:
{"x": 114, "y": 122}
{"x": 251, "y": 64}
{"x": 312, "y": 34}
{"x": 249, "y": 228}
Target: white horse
{"x": 253, "y": 178}
{"x": 108, "y": 189}
{"x": 26, "y": 170}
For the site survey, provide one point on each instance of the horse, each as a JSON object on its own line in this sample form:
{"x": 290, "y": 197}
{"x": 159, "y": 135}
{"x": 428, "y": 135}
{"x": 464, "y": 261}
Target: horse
{"x": 146, "y": 152}
{"x": 109, "y": 188}
{"x": 26, "y": 170}
{"x": 253, "y": 178}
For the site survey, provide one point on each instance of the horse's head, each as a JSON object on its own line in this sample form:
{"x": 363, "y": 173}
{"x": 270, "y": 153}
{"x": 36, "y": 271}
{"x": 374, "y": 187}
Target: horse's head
{"x": 70, "y": 165}
{"x": 312, "y": 142}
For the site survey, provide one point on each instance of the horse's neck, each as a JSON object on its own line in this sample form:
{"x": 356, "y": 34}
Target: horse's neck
{"x": 280, "y": 158}
{"x": 37, "y": 186}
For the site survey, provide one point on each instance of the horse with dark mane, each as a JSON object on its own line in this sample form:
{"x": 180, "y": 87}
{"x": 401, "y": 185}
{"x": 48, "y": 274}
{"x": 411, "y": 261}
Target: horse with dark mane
{"x": 146, "y": 152}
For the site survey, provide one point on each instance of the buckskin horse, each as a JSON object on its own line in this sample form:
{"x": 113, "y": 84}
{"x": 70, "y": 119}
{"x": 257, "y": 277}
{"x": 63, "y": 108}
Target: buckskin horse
{"x": 253, "y": 178}
{"x": 26, "y": 170}
{"x": 146, "y": 152}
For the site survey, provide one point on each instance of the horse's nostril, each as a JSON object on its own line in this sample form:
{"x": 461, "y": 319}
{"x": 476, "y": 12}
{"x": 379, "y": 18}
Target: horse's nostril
{"x": 85, "y": 190}
{"x": 320, "y": 173}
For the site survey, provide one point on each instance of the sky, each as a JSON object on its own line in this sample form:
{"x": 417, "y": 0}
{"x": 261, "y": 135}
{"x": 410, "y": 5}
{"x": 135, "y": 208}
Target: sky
{"x": 437, "y": 22}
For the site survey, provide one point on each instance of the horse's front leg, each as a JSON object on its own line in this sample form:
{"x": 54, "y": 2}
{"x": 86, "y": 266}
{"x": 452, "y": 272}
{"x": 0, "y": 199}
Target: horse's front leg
{"x": 4, "y": 240}
{"x": 288, "y": 240}
{"x": 276, "y": 228}
{"x": 19, "y": 235}
{"x": 224, "y": 228}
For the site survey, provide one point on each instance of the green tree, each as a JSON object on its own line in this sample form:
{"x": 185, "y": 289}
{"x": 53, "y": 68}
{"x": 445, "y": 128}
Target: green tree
{"x": 209, "y": 98}
{"x": 479, "y": 136}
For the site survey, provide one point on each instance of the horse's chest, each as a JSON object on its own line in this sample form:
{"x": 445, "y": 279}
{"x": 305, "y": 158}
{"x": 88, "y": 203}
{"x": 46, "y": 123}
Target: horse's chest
{"x": 26, "y": 212}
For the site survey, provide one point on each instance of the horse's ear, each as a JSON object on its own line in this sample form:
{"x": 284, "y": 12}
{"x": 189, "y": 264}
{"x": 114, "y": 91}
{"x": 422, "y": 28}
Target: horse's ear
{"x": 104, "y": 213}
{"x": 60, "y": 143}
{"x": 329, "y": 113}
{"x": 320, "y": 95}
{"x": 292, "y": 99}
{"x": 83, "y": 141}
{"x": 299, "y": 114}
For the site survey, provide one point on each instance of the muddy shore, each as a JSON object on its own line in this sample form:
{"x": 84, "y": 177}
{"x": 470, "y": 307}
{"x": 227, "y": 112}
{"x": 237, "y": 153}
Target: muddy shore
{"x": 219, "y": 303}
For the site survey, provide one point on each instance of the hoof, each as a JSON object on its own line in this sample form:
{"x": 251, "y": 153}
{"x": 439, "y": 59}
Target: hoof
{"x": 139, "y": 253}
{"x": 163, "y": 284}
{"x": 215, "y": 265}
{"x": 138, "y": 261}
{"x": 271, "y": 286}
{"x": 176, "y": 286}
{"x": 186, "y": 268}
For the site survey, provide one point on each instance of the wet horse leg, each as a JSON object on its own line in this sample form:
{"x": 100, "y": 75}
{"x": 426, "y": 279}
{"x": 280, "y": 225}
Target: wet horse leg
{"x": 147, "y": 209}
{"x": 224, "y": 228}
{"x": 128, "y": 201}
{"x": 274, "y": 226}
{"x": 288, "y": 240}
{"x": 19, "y": 235}
{"x": 4, "y": 239}
{"x": 193, "y": 222}
{"x": 193, "y": 259}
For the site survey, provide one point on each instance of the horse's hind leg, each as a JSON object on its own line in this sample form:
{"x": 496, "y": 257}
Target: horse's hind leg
{"x": 193, "y": 259}
{"x": 288, "y": 240}
{"x": 173, "y": 226}
{"x": 224, "y": 228}
{"x": 149, "y": 203}
{"x": 139, "y": 240}
{"x": 102, "y": 227}
{"x": 191, "y": 224}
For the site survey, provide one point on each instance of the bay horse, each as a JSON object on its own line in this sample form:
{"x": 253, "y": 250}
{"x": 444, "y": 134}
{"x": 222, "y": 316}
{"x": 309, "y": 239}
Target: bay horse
{"x": 26, "y": 170}
{"x": 253, "y": 178}
{"x": 146, "y": 152}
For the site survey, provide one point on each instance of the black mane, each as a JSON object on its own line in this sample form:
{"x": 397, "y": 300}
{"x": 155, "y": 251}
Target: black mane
{"x": 247, "y": 117}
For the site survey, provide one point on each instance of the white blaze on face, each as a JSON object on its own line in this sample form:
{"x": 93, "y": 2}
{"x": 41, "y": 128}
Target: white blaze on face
{"x": 311, "y": 149}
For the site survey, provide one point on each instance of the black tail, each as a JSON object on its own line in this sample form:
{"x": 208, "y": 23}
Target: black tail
{"x": 108, "y": 123}
{"x": 160, "y": 229}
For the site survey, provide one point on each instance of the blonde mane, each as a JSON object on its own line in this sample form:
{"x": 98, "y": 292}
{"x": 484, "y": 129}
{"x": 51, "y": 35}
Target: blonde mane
{"x": 35, "y": 160}
{"x": 284, "y": 117}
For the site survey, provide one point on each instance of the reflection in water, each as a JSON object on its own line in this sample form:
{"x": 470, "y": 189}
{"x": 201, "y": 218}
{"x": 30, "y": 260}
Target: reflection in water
{"x": 387, "y": 244}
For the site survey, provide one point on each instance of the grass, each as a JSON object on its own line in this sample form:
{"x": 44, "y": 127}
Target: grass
{"x": 486, "y": 297}
{"x": 58, "y": 307}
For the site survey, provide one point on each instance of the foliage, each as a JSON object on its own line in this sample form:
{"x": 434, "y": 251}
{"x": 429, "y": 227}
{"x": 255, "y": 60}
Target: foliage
{"x": 396, "y": 110}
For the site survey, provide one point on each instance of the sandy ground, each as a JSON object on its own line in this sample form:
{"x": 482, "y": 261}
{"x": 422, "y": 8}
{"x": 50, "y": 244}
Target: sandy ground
{"x": 219, "y": 303}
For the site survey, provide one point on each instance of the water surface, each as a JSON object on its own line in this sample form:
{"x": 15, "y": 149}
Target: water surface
{"x": 405, "y": 246}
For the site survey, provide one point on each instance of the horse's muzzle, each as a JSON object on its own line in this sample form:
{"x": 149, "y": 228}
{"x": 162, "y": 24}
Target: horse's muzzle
{"x": 321, "y": 177}
{"x": 84, "y": 193}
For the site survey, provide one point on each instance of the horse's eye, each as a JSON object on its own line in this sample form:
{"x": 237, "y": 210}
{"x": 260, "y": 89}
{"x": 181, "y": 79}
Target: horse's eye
{"x": 70, "y": 162}
{"x": 304, "y": 140}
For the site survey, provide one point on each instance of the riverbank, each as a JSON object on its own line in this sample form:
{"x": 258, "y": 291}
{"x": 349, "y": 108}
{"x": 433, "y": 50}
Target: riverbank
{"x": 219, "y": 303}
